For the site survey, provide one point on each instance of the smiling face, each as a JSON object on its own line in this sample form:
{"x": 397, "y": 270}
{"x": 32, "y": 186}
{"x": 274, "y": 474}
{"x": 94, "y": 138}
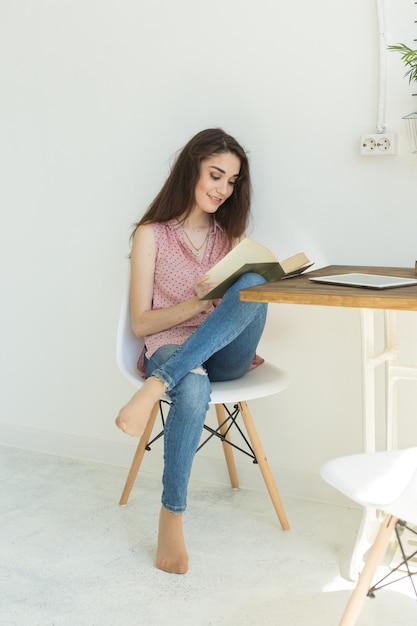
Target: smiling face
{"x": 218, "y": 175}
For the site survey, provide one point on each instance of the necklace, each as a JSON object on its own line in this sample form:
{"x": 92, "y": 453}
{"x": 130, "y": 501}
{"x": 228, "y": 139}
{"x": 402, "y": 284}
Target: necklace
{"x": 195, "y": 249}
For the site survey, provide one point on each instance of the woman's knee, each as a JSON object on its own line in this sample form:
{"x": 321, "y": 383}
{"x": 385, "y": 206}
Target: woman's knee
{"x": 250, "y": 279}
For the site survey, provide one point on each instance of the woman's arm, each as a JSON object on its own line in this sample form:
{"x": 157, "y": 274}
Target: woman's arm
{"x": 144, "y": 320}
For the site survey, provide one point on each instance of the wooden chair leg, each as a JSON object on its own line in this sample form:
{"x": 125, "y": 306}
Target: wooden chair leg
{"x": 137, "y": 459}
{"x": 263, "y": 465}
{"x": 374, "y": 559}
{"x": 227, "y": 448}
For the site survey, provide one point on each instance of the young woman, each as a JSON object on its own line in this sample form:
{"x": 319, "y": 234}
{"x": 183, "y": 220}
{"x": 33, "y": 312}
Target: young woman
{"x": 200, "y": 213}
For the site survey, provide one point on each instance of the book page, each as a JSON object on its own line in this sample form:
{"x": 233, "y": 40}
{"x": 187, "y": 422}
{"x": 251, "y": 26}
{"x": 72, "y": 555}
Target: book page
{"x": 295, "y": 262}
{"x": 247, "y": 251}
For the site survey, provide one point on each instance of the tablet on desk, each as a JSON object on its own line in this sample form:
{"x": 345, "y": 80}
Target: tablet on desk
{"x": 373, "y": 281}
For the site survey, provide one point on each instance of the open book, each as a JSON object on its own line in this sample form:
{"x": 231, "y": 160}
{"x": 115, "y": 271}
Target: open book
{"x": 250, "y": 256}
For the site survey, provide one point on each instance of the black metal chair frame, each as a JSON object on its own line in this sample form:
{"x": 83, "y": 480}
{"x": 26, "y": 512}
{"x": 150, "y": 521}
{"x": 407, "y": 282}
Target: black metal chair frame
{"x": 384, "y": 581}
{"x": 230, "y": 421}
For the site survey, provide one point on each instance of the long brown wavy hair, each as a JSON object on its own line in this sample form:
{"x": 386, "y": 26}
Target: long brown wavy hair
{"x": 177, "y": 196}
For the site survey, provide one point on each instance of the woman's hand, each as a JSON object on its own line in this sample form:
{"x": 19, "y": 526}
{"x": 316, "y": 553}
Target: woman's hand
{"x": 202, "y": 287}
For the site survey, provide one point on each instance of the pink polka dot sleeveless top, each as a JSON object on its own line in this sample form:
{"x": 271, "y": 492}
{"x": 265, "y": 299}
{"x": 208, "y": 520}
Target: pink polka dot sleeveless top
{"x": 176, "y": 269}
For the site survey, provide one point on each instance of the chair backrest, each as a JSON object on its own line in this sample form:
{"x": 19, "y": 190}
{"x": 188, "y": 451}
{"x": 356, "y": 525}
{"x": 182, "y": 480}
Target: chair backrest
{"x": 128, "y": 346}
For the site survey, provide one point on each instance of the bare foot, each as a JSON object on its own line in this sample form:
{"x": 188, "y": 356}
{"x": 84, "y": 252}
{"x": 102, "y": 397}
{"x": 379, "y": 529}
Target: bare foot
{"x": 134, "y": 415}
{"x": 171, "y": 555}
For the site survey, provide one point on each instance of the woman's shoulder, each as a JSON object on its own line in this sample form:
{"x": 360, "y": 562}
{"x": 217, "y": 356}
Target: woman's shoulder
{"x": 143, "y": 231}
{"x": 152, "y": 229}
{"x": 162, "y": 227}
{"x": 160, "y": 237}
{"x": 143, "y": 240}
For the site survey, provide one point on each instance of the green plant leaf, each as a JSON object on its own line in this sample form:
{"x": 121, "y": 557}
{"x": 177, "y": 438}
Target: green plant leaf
{"x": 409, "y": 58}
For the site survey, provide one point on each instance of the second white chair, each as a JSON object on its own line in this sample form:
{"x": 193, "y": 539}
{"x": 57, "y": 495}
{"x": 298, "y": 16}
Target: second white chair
{"x": 386, "y": 481}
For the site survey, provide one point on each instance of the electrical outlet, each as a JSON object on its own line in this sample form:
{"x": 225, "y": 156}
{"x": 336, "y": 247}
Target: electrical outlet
{"x": 382, "y": 144}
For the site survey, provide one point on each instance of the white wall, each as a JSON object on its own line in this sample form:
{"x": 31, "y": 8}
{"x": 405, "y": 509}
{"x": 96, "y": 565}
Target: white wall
{"x": 96, "y": 97}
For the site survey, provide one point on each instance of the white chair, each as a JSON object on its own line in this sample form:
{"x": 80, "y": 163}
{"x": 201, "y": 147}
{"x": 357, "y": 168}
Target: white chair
{"x": 265, "y": 380}
{"x": 382, "y": 480}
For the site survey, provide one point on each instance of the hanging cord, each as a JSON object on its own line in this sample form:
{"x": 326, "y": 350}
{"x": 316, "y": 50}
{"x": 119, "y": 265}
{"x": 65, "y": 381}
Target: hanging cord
{"x": 415, "y": 22}
{"x": 382, "y": 75}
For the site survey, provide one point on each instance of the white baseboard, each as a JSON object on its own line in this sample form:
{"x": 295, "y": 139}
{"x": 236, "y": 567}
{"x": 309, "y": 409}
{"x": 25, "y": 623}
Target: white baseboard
{"x": 205, "y": 469}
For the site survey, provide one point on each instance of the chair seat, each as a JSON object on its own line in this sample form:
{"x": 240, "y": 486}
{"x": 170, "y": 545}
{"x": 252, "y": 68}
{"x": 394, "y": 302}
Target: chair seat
{"x": 262, "y": 381}
{"x": 265, "y": 380}
{"x": 384, "y": 480}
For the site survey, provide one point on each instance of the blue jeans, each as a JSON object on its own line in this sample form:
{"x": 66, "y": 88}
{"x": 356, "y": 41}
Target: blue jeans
{"x": 221, "y": 348}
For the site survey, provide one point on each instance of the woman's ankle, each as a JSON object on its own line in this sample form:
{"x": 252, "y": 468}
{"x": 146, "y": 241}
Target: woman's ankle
{"x": 171, "y": 553}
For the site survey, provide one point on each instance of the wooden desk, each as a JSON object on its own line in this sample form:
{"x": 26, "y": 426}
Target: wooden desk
{"x": 301, "y": 290}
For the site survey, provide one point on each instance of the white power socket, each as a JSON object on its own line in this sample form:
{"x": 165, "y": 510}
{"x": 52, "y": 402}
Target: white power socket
{"x": 382, "y": 144}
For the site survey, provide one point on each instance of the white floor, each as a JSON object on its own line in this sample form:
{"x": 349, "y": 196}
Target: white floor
{"x": 70, "y": 556}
